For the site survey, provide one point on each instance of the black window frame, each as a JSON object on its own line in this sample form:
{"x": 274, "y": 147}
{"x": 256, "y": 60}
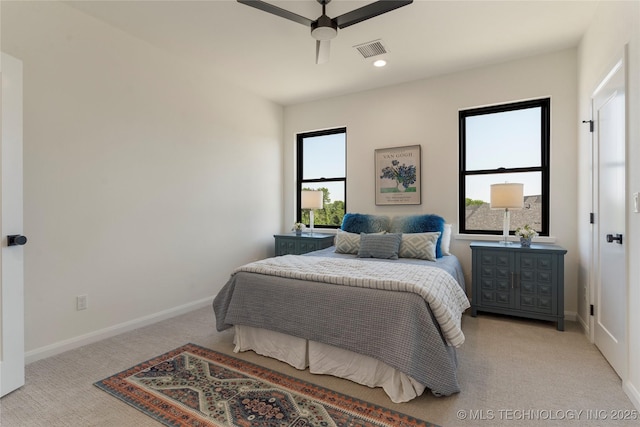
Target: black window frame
{"x": 545, "y": 147}
{"x": 300, "y": 172}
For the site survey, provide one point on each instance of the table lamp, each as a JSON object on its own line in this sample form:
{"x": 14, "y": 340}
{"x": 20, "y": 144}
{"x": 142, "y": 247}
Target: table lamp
{"x": 507, "y": 196}
{"x": 311, "y": 199}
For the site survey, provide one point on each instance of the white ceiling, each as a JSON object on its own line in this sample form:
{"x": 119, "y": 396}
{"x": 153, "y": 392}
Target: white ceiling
{"x": 275, "y": 57}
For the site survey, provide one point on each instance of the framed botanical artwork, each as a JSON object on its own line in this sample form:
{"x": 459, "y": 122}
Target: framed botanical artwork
{"x": 397, "y": 176}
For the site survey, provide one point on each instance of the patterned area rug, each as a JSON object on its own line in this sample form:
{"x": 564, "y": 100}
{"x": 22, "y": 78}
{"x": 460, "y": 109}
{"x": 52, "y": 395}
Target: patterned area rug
{"x": 195, "y": 386}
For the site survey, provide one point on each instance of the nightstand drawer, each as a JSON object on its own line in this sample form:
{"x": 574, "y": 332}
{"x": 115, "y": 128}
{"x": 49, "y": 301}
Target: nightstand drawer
{"x": 285, "y": 246}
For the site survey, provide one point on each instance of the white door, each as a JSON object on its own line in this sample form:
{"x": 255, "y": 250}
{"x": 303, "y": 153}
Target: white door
{"x": 11, "y": 255}
{"x": 610, "y": 317}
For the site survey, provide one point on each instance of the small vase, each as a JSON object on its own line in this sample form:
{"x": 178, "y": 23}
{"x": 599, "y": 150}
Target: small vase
{"x": 298, "y": 232}
{"x": 524, "y": 242}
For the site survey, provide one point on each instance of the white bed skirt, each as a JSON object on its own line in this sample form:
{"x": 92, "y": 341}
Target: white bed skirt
{"x": 325, "y": 359}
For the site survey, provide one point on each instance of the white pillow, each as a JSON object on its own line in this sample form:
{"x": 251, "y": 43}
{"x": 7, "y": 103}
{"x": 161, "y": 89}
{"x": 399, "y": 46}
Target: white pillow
{"x": 419, "y": 245}
{"x": 446, "y": 240}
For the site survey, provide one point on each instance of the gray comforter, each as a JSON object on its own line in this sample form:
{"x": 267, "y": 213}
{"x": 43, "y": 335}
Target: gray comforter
{"x": 397, "y": 328}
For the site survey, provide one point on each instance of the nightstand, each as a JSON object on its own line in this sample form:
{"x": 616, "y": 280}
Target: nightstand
{"x": 297, "y": 244}
{"x": 517, "y": 281}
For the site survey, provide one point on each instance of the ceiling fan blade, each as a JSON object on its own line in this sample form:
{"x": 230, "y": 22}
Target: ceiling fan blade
{"x": 275, "y": 10}
{"x": 369, "y": 11}
{"x": 322, "y": 51}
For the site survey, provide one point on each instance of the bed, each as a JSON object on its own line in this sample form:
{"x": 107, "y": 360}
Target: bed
{"x": 390, "y": 323}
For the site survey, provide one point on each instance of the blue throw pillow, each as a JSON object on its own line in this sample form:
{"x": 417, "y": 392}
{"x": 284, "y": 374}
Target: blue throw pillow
{"x": 362, "y": 223}
{"x": 420, "y": 224}
{"x": 384, "y": 246}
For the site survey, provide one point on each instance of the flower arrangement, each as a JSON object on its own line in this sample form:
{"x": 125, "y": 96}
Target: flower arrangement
{"x": 526, "y": 232}
{"x": 298, "y": 226}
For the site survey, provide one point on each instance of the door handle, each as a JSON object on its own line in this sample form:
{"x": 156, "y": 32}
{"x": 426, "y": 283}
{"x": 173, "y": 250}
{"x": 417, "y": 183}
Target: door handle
{"x": 16, "y": 240}
{"x": 617, "y": 238}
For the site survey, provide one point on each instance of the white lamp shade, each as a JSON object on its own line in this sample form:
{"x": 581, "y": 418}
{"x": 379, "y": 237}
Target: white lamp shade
{"x": 507, "y": 196}
{"x": 311, "y": 199}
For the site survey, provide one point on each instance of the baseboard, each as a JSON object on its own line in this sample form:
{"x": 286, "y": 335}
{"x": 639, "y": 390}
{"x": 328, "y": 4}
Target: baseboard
{"x": 633, "y": 393}
{"x": 584, "y": 324}
{"x": 79, "y": 341}
{"x": 570, "y": 316}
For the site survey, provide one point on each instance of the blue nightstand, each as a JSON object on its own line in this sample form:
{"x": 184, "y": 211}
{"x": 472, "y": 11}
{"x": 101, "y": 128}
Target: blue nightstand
{"x": 518, "y": 281}
{"x": 297, "y": 244}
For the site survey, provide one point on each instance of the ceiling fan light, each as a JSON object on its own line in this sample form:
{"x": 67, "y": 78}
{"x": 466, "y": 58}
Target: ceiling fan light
{"x": 324, "y": 28}
{"x": 324, "y": 33}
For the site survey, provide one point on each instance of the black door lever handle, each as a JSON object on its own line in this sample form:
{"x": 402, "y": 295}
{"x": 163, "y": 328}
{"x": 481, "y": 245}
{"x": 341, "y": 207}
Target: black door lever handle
{"x": 617, "y": 238}
{"x": 16, "y": 240}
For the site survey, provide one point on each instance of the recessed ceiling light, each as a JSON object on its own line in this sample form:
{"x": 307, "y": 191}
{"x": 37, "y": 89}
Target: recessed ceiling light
{"x": 380, "y": 63}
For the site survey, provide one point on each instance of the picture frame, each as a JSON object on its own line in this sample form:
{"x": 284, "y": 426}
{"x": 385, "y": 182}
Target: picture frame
{"x": 397, "y": 175}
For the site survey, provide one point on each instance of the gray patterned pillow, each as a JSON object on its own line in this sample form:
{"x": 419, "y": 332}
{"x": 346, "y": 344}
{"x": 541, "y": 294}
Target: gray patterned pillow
{"x": 419, "y": 245}
{"x": 385, "y": 246}
{"x": 429, "y": 223}
{"x": 347, "y": 243}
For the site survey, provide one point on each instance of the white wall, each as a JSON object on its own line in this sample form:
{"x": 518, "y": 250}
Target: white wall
{"x": 426, "y": 113}
{"x": 615, "y": 25}
{"x": 144, "y": 177}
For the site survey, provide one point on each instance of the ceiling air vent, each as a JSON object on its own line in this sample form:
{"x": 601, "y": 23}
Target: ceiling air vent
{"x": 369, "y": 49}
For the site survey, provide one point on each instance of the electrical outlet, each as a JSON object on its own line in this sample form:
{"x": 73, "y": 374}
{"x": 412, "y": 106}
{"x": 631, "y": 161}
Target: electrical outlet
{"x": 82, "y": 302}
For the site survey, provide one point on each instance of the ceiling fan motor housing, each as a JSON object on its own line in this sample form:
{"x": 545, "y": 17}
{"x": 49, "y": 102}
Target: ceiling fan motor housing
{"x": 324, "y": 28}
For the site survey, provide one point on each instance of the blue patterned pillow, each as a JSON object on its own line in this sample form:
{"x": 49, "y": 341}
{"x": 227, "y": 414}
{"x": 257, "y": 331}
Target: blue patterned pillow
{"x": 420, "y": 224}
{"x": 384, "y": 246}
{"x": 362, "y": 223}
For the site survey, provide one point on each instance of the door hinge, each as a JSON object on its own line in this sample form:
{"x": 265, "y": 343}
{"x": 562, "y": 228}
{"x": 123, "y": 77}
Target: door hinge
{"x": 590, "y": 124}
{"x": 591, "y": 310}
{"x": 592, "y": 218}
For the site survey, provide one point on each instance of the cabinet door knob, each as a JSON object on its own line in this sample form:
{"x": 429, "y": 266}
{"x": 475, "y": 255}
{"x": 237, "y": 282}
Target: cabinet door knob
{"x": 16, "y": 240}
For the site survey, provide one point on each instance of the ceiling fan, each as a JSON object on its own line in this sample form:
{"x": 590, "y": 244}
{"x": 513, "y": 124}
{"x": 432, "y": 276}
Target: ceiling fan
{"x": 324, "y": 28}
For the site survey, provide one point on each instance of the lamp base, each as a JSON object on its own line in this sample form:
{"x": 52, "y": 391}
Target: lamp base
{"x": 505, "y": 228}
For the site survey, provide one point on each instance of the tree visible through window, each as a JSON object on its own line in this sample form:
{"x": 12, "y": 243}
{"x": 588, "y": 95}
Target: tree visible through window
{"x": 498, "y": 144}
{"x": 322, "y": 165}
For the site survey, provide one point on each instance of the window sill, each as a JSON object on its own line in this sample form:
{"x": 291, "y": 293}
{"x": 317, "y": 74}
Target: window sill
{"x": 321, "y": 230}
{"x": 494, "y": 238}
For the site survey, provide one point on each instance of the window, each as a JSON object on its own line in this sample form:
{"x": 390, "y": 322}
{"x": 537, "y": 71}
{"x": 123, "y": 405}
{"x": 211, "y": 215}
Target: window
{"x": 504, "y": 143}
{"x": 322, "y": 165}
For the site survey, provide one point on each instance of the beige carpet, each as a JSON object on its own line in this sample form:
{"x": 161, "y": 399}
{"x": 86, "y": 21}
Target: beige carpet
{"x": 510, "y": 371}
